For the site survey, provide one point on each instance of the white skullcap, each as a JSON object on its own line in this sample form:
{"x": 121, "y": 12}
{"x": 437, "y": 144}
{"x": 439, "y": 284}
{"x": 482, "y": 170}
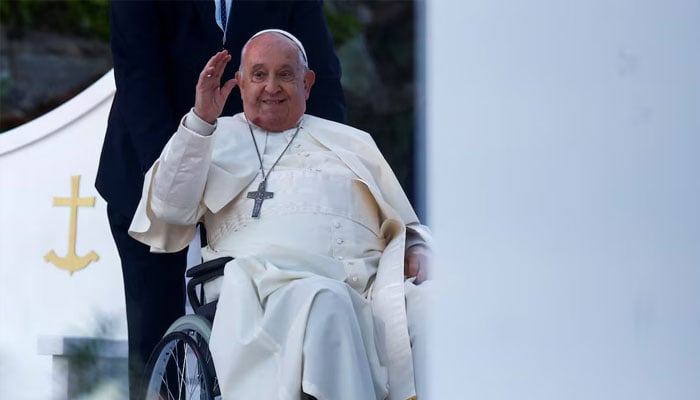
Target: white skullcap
{"x": 286, "y": 34}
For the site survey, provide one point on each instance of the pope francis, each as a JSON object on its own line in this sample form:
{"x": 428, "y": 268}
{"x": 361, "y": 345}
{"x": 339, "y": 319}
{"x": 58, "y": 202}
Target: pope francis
{"x": 320, "y": 301}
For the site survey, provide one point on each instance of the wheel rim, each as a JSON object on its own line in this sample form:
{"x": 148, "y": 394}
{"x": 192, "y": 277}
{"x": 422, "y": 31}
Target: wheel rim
{"x": 182, "y": 369}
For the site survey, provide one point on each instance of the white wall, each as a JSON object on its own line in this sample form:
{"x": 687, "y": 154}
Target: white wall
{"x": 37, "y": 161}
{"x": 564, "y": 193}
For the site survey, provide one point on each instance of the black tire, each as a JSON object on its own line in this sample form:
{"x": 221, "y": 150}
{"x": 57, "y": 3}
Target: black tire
{"x": 181, "y": 366}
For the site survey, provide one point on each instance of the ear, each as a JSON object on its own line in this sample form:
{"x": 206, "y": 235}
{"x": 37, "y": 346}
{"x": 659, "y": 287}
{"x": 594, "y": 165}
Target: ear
{"x": 309, "y": 79}
{"x": 239, "y": 81}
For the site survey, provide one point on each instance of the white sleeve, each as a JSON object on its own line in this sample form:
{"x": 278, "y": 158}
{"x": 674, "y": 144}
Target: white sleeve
{"x": 418, "y": 235}
{"x": 180, "y": 173}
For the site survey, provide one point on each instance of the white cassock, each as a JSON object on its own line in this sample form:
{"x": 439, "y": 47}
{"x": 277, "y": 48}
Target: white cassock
{"x": 315, "y": 298}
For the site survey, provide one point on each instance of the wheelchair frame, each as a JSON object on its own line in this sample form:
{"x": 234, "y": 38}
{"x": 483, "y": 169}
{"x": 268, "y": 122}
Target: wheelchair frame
{"x": 181, "y": 366}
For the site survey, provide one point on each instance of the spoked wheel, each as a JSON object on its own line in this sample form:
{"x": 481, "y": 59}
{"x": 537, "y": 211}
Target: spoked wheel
{"x": 181, "y": 365}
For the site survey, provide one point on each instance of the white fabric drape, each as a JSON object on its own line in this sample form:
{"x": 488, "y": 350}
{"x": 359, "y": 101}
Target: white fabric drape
{"x": 346, "y": 243}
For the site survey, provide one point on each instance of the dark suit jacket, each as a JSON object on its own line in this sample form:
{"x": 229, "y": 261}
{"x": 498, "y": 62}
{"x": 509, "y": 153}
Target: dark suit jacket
{"x": 160, "y": 47}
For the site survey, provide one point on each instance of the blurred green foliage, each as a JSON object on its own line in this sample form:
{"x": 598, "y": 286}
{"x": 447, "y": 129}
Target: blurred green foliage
{"x": 343, "y": 25}
{"x": 87, "y": 18}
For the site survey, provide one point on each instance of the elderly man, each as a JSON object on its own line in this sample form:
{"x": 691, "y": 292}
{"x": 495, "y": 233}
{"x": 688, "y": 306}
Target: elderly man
{"x": 315, "y": 301}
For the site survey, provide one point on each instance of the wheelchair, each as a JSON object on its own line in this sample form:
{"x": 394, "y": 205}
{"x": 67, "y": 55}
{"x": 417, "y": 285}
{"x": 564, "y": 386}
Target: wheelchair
{"x": 181, "y": 366}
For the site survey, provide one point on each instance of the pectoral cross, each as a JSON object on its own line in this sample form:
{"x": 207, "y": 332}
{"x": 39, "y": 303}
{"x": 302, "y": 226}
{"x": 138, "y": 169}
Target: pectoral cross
{"x": 260, "y": 195}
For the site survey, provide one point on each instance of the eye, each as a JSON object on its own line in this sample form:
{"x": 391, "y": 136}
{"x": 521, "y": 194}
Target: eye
{"x": 258, "y": 76}
{"x": 286, "y": 76}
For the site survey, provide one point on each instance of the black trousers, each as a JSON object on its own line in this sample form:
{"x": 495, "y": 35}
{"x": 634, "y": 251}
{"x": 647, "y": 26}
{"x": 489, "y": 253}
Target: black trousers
{"x": 154, "y": 289}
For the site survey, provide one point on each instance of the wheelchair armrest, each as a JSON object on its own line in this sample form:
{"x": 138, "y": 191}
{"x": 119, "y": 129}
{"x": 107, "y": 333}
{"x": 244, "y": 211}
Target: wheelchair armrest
{"x": 207, "y": 267}
{"x": 201, "y": 274}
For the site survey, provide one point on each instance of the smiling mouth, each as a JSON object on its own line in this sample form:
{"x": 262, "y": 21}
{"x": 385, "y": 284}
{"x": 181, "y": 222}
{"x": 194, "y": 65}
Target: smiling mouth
{"x": 272, "y": 102}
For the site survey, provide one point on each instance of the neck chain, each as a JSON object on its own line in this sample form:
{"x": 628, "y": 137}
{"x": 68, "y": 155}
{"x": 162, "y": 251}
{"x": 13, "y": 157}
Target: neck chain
{"x": 261, "y": 195}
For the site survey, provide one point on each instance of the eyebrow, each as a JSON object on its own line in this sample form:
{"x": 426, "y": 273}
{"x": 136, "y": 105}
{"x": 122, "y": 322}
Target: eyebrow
{"x": 284, "y": 66}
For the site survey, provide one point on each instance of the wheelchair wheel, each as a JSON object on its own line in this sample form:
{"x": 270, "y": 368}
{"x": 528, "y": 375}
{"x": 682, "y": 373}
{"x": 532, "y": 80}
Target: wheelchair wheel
{"x": 181, "y": 366}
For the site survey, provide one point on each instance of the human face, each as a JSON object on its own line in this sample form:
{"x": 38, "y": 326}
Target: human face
{"x": 274, "y": 84}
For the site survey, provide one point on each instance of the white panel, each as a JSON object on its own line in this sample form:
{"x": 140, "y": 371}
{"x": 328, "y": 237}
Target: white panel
{"x": 564, "y": 192}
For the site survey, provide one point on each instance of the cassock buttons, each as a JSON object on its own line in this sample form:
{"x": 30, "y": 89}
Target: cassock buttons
{"x": 339, "y": 241}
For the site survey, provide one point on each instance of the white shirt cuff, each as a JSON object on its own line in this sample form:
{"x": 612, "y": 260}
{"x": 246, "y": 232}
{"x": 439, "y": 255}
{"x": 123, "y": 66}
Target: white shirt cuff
{"x": 198, "y": 125}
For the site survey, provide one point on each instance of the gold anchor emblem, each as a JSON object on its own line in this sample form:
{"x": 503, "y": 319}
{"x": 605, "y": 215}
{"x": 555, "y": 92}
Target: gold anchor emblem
{"x": 72, "y": 262}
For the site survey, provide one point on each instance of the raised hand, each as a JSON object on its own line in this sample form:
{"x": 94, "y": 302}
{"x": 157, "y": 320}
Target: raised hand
{"x": 210, "y": 97}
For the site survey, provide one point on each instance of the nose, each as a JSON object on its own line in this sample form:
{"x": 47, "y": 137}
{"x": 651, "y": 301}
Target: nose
{"x": 272, "y": 85}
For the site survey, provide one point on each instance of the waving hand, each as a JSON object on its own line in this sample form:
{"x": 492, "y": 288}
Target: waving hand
{"x": 210, "y": 97}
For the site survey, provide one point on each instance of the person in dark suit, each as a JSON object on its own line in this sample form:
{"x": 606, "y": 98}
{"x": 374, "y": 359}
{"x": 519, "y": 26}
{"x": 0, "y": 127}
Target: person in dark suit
{"x": 158, "y": 49}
